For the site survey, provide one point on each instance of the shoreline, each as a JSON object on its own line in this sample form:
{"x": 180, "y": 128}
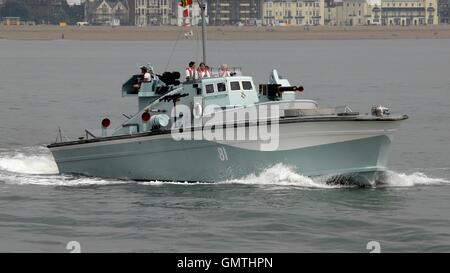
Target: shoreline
{"x": 170, "y": 33}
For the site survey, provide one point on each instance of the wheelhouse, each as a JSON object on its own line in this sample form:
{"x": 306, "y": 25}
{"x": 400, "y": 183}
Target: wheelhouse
{"x": 229, "y": 91}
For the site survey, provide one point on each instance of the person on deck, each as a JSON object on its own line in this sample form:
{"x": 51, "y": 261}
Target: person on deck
{"x": 153, "y": 76}
{"x": 144, "y": 77}
{"x": 191, "y": 72}
{"x": 203, "y": 72}
{"x": 223, "y": 71}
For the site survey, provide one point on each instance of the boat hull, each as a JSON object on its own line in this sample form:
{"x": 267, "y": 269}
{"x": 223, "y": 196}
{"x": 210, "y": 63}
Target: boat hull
{"x": 310, "y": 148}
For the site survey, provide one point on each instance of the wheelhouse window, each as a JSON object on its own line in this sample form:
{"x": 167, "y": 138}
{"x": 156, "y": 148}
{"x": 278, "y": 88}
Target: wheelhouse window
{"x": 209, "y": 88}
{"x": 235, "y": 86}
{"x": 247, "y": 85}
{"x": 221, "y": 87}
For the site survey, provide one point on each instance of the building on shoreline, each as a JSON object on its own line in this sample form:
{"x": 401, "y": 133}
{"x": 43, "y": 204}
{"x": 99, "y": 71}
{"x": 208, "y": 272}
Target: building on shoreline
{"x": 409, "y": 12}
{"x": 231, "y": 12}
{"x": 357, "y": 12}
{"x": 293, "y": 13}
{"x": 34, "y": 12}
{"x": 45, "y": 11}
{"x": 152, "y": 12}
{"x": 444, "y": 11}
{"x": 352, "y": 12}
{"x": 107, "y": 12}
{"x": 244, "y": 12}
{"x": 380, "y": 12}
{"x": 332, "y": 12}
{"x": 276, "y": 12}
{"x": 11, "y": 21}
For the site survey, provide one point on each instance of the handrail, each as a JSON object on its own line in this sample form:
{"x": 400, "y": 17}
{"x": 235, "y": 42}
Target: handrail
{"x": 89, "y": 134}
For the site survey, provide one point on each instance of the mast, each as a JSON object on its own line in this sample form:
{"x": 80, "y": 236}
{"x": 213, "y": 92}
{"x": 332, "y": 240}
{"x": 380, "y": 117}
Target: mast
{"x": 202, "y": 6}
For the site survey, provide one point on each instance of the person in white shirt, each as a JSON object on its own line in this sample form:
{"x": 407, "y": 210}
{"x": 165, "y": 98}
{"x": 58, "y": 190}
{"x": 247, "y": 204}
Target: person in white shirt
{"x": 203, "y": 72}
{"x": 191, "y": 72}
{"x": 146, "y": 74}
{"x": 223, "y": 71}
{"x": 144, "y": 77}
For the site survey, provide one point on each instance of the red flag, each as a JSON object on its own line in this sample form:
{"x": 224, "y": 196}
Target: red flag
{"x": 185, "y": 3}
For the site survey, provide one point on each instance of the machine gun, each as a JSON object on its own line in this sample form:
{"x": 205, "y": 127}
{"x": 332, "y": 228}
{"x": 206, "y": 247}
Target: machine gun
{"x": 170, "y": 78}
{"x": 174, "y": 98}
{"x": 274, "y": 91}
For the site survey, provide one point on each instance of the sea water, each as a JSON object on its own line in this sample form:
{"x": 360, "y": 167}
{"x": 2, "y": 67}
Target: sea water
{"x": 73, "y": 85}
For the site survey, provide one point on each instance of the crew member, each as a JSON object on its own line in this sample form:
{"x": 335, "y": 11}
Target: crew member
{"x": 203, "y": 72}
{"x": 223, "y": 71}
{"x": 191, "y": 72}
{"x": 144, "y": 77}
{"x": 153, "y": 76}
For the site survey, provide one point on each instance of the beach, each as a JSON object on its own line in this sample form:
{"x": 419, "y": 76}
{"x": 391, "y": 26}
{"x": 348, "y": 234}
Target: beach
{"x": 170, "y": 33}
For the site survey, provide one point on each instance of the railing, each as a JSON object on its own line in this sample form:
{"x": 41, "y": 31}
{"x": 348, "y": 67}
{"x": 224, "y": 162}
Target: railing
{"x": 89, "y": 134}
{"x": 236, "y": 70}
{"x": 59, "y": 137}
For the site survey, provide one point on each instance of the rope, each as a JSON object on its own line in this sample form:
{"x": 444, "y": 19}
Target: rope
{"x": 173, "y": 49}
{"x": 197, "y": 43}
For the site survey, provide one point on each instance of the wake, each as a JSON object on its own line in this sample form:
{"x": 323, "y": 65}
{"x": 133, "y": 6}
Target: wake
{"x": 36, "y": 166}
{"x": 281, "y": 175}
{"x": 31, "y": 160}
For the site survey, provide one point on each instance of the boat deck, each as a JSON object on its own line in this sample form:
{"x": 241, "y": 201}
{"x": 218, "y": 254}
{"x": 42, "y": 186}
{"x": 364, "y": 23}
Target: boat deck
{"x": 333, "y": 118}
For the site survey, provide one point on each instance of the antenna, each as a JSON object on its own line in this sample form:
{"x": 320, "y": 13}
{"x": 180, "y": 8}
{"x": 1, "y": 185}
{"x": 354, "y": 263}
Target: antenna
{"x": 203, "y": 10}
